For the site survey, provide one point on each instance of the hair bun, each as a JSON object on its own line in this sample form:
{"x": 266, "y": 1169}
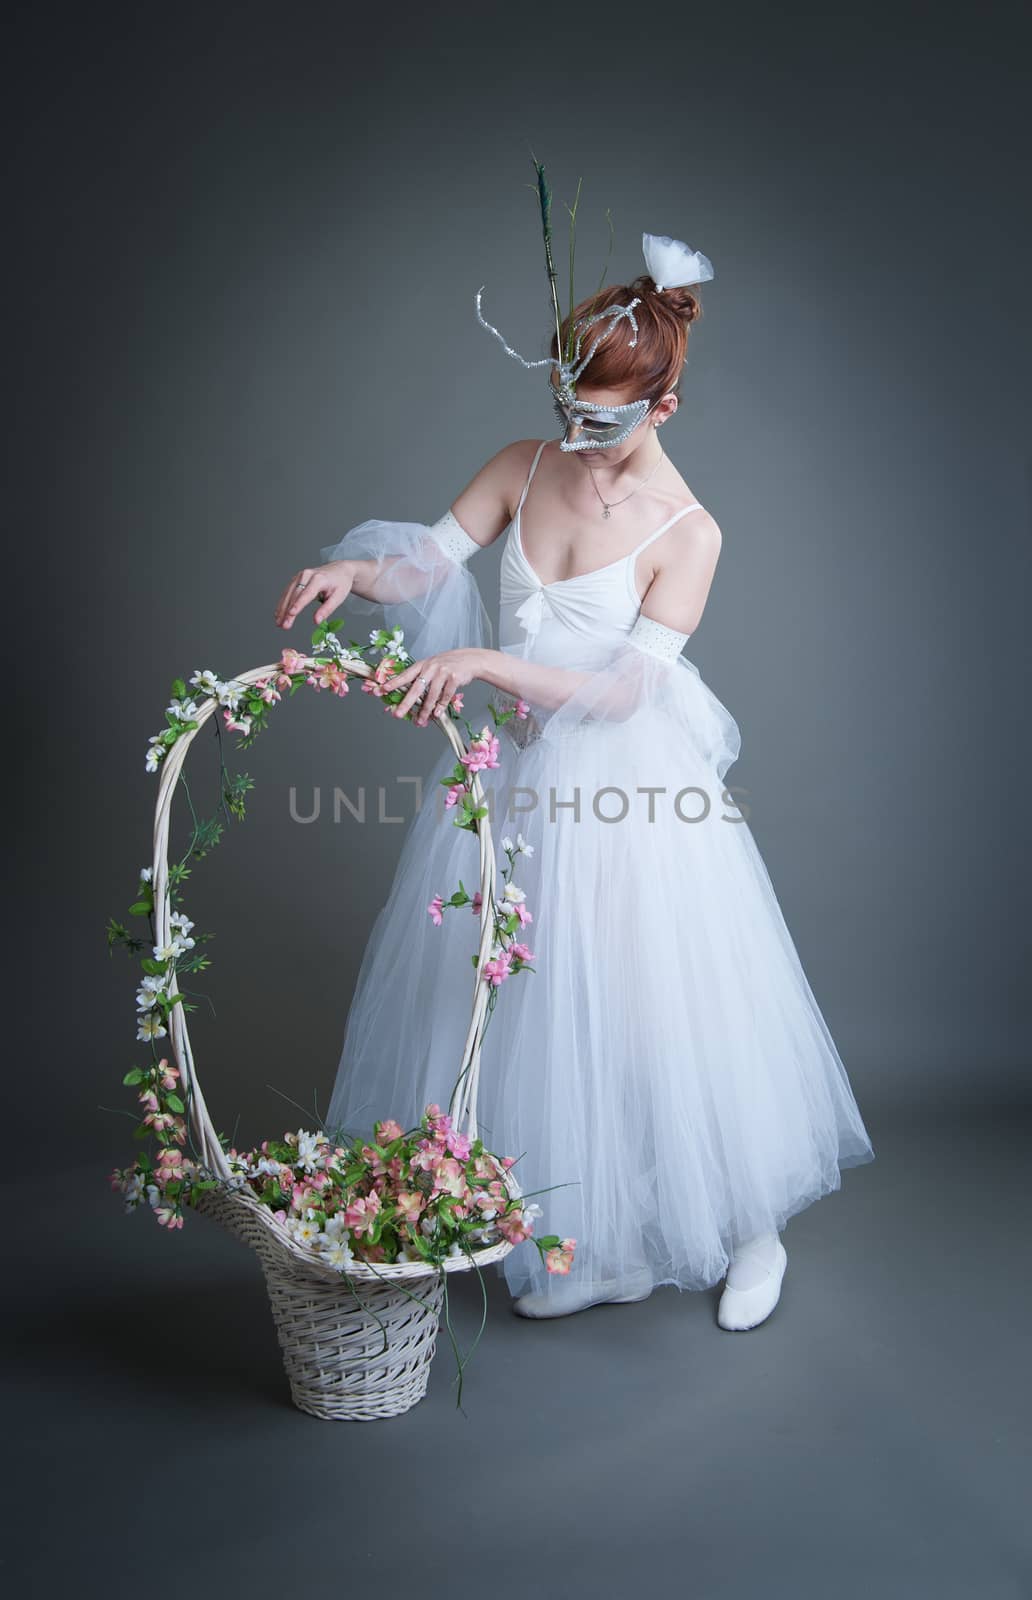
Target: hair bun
{"x": 681, "y": 300}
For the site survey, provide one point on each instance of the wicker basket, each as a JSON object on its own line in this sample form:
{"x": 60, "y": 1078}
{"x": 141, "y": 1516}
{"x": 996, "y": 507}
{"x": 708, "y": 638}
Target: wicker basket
{"x": 333, "y": 1335}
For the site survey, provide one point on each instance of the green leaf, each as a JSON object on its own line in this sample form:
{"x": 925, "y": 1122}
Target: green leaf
{"x": 174, "y": 1103}
{"x": 134, "y": 1076}
{"x": 141, "y": 908}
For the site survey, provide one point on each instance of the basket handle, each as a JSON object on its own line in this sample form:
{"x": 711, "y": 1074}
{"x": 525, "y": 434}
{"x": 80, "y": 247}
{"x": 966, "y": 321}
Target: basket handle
{"x": 463, "y": 1104}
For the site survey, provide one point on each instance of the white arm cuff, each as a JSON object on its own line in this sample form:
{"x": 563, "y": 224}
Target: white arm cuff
{"x": 453, "y": 539}
{"x": 656, "y": 638}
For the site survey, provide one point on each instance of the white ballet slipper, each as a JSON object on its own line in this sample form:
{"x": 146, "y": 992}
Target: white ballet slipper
{"x": 745, "y": 1307}
{"x": 562, "y": 1299}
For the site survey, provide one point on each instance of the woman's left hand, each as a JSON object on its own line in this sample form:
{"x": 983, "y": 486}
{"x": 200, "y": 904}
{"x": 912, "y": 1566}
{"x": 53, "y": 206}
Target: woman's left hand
{"x": 440, "y": 677}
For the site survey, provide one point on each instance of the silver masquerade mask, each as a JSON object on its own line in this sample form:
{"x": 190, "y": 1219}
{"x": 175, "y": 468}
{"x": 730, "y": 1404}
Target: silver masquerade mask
{"x": 670, "y": 263}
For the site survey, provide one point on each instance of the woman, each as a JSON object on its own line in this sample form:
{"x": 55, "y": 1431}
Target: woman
{"x": 664, "y": 1073}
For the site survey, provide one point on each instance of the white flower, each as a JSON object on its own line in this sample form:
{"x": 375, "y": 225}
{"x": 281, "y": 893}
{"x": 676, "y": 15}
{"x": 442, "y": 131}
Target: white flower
{"x": 154, "y": 1194}
{"x": 307, "y": 1151}
{"x": 339, "y": 1254}
{"x": 146, "y": 874}
{"x": 156, "y": 753}
{"x": 133, "y": 1192}
{"x": 532, "y": 1211}
{"x": 229, "y": 693}
{"x": 168, "y": 952}
{"x": 454, "y": 1249}
{"x": 512, "y": 895}
{"x": 306, "y": 1231}
{"x": 180, "y": 920}
{"x": 185, "y": 710}
{"x": 522, "y": 847}
{"x": 672, "y": 263}
{"x": 150, "y": 988}
{"x": 267, "y": 1167}
{"x": 208, "y": 681}
{"x": 507, "y": 844}
{"x": 335, "y": 1227}
{"x": 150, "y": 1026}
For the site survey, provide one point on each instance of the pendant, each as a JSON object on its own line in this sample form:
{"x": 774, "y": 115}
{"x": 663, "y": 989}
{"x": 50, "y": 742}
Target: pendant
{"x": 605, "y": 511}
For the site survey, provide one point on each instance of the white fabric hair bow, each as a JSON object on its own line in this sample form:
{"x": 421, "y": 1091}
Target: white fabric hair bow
{"x": 672, "y": 264}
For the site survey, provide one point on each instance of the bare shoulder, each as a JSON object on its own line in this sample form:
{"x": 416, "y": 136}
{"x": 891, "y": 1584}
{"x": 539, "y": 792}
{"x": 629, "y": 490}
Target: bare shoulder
{"x": 693, "y": 542}
{"x": 488, "y": 503}
{"x": 684, "y": 561}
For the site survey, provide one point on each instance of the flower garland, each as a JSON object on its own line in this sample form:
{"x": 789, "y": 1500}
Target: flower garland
{"x": 423, "y": 1194}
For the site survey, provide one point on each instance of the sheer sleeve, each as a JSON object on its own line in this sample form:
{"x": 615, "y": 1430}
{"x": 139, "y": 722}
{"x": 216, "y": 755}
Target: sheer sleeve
{"x": 421, "y": 582}
{"x": 654, "y": 692}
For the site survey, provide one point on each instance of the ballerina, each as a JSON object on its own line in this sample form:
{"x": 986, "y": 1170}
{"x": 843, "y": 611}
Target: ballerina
{"x": 666, "y": 1069}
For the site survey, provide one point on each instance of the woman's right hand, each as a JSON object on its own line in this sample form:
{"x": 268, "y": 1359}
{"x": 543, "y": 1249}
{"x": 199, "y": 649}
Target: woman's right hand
{"x": 330, "y": 584}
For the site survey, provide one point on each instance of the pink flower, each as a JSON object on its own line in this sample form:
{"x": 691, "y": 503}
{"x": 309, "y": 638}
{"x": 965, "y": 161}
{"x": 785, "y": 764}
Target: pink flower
{"x": 236, "y": 724}
{"x": 514, "y": 1227}
{"x": 496, "y": 971}
{"x": 410, "y": 1203}
{"x": 523, "y": 914}
{"x": 387, "y": 1130}
{"x": 508, "y": 1161}
{"x": 482, "y": 753}
{"x": 292, "y": 660}
{"x": 329, "y": 676}
{"x": 169, "y": 1075}
{"x": 449, "y": 1178}
{"x": 438, "y": 1121}
{"x": 456, "y": 702}
{"x": 476, "y": 903}
{"x": 361, "y": 1215}
{"x": 520, "y": 952}
{"x": 435, "y": 907}
{"x": 560, "y": 1258}
{"x": 168, "y": 1218}
{"x": 458, "y": 1144}
{"x": 454, "y": 794}
{"x": 428, "y": 1154}
{"x": 385, "y": 670}
{"x": 149, "y": 1100}
{"x": 376, "y": 1163}
{"x": 266, "y": 691}
{"x": 522, "y": 710}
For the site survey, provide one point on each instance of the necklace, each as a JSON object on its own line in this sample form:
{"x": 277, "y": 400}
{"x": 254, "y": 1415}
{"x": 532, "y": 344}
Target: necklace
{"x": 607, "y": 505}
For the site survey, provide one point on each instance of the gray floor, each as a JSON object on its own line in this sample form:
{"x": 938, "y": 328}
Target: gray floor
{"x": 871, "y": 1439}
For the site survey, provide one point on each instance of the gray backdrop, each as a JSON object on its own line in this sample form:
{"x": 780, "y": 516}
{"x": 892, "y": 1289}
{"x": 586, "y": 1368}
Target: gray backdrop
{"x": 242, "y": 265}
{"x": 242, "y": 247}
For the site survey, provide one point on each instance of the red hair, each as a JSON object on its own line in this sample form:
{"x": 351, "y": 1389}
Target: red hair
{"x": 652, "y": 366}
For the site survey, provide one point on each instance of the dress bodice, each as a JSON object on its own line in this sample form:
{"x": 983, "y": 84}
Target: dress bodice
{"x": 571, "y": 622}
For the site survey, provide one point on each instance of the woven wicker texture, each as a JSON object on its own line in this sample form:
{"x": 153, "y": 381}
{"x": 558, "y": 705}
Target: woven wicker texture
{"x": 332, "y": 1343}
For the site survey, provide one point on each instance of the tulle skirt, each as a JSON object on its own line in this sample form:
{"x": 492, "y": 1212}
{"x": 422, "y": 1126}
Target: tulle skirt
{"x": 664, "y": 1076}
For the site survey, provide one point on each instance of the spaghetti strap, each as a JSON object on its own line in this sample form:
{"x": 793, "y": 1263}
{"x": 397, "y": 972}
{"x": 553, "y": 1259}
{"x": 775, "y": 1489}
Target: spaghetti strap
{"x": 695, "y": 506}
{"x": 530, "y": 474}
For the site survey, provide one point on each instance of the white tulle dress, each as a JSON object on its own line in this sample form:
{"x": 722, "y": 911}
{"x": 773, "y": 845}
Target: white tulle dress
{"x": 665, "y": 1071}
